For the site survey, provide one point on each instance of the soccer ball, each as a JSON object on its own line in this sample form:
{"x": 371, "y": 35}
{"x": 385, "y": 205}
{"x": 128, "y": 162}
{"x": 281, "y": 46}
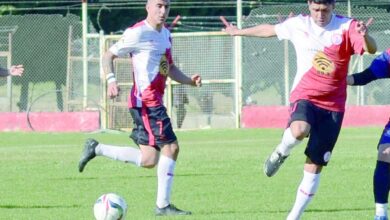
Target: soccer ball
{"x": 110, "y": 206}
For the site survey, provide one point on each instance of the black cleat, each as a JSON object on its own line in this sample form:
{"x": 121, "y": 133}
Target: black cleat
{"x": 88, "y": 153}
{"x": 273, "y": 163}
{"x": 170, "y": 210}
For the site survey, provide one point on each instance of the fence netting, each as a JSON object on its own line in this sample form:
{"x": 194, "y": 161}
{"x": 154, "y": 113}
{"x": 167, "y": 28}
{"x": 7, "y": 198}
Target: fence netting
{"x": 51, "y": 49}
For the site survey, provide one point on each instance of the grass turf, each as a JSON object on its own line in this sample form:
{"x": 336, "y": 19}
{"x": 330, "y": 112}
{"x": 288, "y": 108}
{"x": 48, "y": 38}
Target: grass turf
{"x": 218, "y": 176}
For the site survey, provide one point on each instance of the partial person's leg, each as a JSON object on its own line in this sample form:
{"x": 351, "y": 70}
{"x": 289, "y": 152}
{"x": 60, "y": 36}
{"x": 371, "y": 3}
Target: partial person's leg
{"x": 323, "y": 136}
{"x": 306, "y": 190}
{"x": 382, "y": 181}
{"x": 301, "y": 118}
{"x": 146, "y": 156}
{"x": 125, "y": 154}
{"x": 165, "y": 174}
{"x": 292, "y": 136}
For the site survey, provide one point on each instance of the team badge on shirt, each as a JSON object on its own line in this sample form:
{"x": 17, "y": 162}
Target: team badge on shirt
{"x": 337, "y": 39}
{"x": 164, "y": 66}
{"x": 323, "y": 64}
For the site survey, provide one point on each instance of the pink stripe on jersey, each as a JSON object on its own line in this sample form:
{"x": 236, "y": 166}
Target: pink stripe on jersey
{"x": 152, "y": 96}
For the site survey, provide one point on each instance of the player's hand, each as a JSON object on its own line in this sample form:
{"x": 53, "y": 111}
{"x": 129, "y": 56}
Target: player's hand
{"x": 229, "y": 27}
{"x": 113, "y": 90}
{"x": 361, "y": 27}
{"x": 174, "y": 23}
{"x": 196, "y": 80}
{"x": 16, "y": 70}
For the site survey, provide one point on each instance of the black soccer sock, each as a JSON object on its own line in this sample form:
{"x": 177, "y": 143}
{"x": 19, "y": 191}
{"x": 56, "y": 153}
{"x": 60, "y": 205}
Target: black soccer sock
{"x": 381, "y": 182}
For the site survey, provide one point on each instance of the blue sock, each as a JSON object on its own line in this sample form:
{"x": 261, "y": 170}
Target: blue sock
{"x": 381, "y": 182}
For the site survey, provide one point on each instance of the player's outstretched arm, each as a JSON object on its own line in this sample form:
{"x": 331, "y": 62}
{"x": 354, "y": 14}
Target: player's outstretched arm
{"x": 262, "y": 30}
{"x": 362, "y": 78}
{"x": 369, "y": 42}
{"x": 177, "y": 75}
{"x": 378, "y": 69}
{"x": 15, "y": 70}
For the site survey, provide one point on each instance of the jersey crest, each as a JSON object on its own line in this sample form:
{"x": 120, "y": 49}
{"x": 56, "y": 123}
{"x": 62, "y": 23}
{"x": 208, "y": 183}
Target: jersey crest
{"x": 164, "y": 65}
{"x": 323, "y": 64}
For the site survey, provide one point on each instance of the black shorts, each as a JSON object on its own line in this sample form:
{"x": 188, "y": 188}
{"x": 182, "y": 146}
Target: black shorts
{"x": 325, "y": 129}
{"x": 152, "y": 126}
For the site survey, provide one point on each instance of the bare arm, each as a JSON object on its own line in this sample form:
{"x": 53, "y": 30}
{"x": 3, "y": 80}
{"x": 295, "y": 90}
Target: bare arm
{"x": 177, "y": 75}
{"x": 262, "y": 30}
{"x": 16, "y": 70}
{"x": 108, "y": 69}
{"x": 369, "y": 42}
{"x": 108, "y": 62}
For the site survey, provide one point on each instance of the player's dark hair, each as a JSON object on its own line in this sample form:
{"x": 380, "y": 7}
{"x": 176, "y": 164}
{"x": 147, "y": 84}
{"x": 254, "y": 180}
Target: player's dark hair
{"x": 322, "y": 1}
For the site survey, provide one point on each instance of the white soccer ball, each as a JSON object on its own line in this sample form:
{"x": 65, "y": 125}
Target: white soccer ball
{"x": 110, "y": 206}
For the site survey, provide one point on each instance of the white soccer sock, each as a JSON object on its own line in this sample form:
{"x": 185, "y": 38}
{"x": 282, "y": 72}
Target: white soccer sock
{"x": 165, "y": 170}
{"x": 381, "y": 209}
{"x": 305, "y": 193}
{"x": 287, "y": 143}
{"x": 125, "y": 154}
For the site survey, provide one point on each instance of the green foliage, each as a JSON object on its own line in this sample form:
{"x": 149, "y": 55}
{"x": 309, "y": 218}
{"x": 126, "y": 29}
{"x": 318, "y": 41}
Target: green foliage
{"x": 218, "y": 176}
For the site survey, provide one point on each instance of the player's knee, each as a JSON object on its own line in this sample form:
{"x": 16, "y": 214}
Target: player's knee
{"x": 171, "y": 150}
{"x": 175, "y": 149}
{"x": 300, "y": 131}
{"x": 149, "y": 162}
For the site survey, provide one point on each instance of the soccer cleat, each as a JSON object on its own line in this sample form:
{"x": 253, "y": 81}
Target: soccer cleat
{"x": 170, "y": 210}
{"x": 381, "y": 218}
{"x": 272, "y": 164}
{"x": 88, "y": 153}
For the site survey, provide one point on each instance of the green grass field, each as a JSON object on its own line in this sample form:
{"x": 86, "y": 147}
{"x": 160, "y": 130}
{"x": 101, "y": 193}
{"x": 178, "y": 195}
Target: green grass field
{"x": 218, "y": 176}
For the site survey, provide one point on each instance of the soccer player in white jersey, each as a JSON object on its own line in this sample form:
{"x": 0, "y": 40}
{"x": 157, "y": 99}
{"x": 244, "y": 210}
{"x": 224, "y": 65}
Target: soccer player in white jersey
{"x": 149, "y": 45}
{"x": 379, "y": 69}
{"x": 324, "y": 43}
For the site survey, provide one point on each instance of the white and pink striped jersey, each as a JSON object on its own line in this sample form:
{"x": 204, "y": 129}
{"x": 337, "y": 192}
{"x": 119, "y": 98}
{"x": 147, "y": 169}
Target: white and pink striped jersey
{"x": 150, "y": 51}
{"x": 323, "y": 55}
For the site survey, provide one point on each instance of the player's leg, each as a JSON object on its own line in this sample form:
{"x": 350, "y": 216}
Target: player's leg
{"x": 299, "y": 128}
{"x": 323, "y": 137}
{"x": 93, "y": 148}
{"x": 161, "y": 133}
{"x": 145, "y": 156}
{"x": 306, "y": 189}
{"x": 165, "y": 173}
{"x": 381, "y": 177}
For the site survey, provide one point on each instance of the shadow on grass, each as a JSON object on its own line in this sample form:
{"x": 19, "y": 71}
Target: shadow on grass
{"x": 38, "y": 206}
{"x": 283, "y": 211}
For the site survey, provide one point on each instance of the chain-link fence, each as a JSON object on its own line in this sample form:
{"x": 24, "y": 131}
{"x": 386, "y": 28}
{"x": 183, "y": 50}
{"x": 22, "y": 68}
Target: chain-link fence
{"x": 57, "y": 80}
{"x": 269, "y": 65}
{"x": 212, "y": 105}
